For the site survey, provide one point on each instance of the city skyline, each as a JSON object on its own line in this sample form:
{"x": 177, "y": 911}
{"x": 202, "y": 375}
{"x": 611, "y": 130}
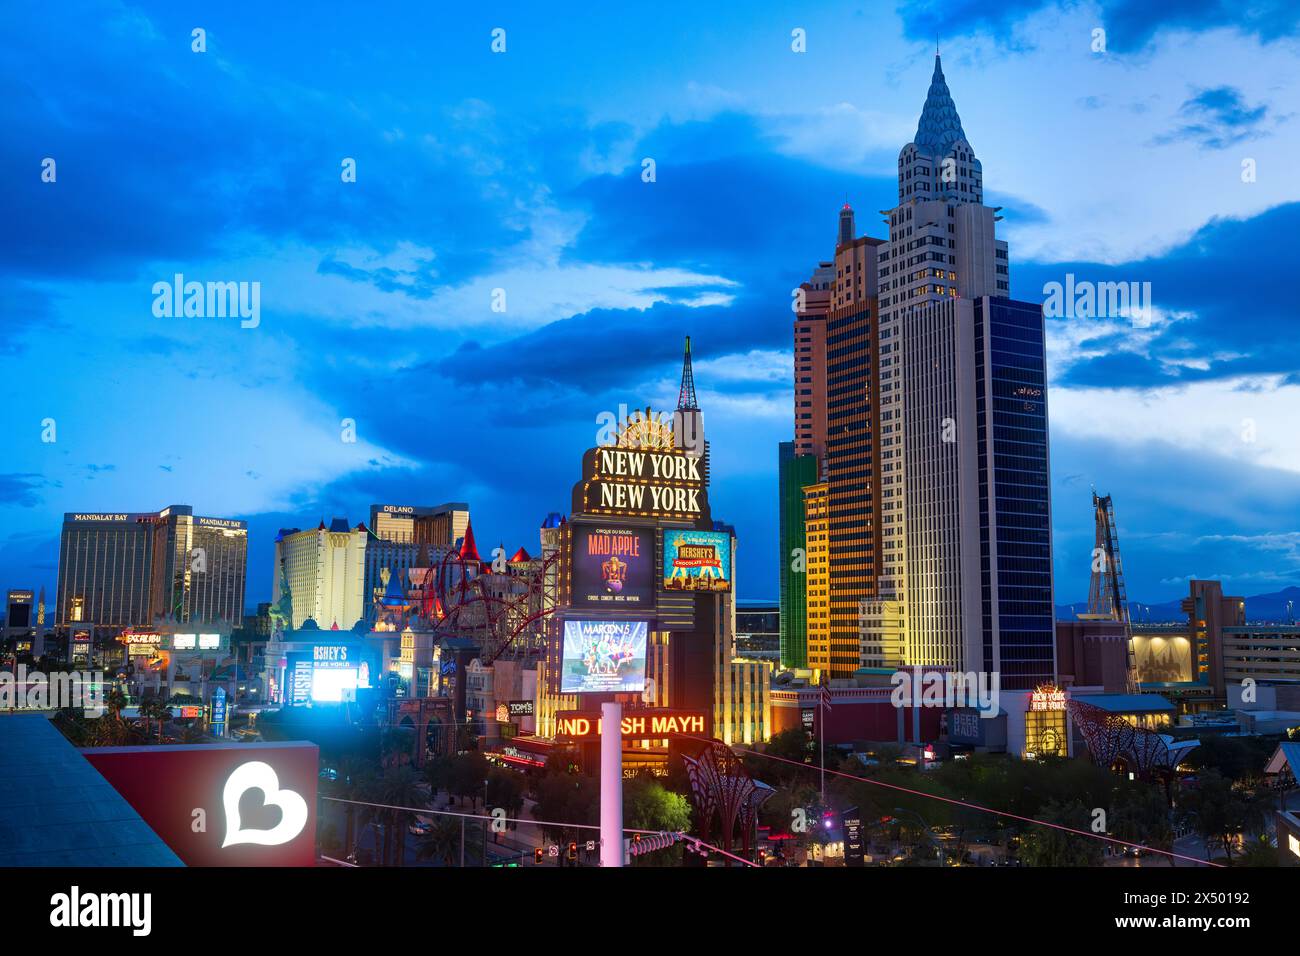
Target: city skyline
{"x": 376, "y": 295}
{"x": 851, "y": 436}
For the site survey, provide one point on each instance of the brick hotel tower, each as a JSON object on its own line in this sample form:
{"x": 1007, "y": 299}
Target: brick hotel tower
{"x": 936, "y": 422}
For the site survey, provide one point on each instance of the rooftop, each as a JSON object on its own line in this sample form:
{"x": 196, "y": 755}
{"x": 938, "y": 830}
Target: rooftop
{"x": 59, "y": 810}
{"x": 1127, "y": 703}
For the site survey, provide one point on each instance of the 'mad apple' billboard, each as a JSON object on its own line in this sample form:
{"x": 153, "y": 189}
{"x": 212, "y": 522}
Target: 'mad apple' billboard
{"x": 613, "y": 567}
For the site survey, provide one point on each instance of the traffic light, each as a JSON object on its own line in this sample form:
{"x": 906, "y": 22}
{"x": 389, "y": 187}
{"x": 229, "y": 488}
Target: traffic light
{"x": 537, "y": 856}
{"x": 762, "y": 857}
{"x": 573, "y": 851}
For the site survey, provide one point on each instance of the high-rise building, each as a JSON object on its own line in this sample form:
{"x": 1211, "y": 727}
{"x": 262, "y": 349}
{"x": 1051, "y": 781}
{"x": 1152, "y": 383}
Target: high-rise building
{"x": 850, "y": 467}
{"x": 835, "y": 407}
{"x": 965, "y": 571}
{"x": 18, "y": 611}
{"x": 688, "y": 420}
{"x": 440, "y": 525}
{"x": 817, "y": 576}
{"x": 1208, "y": 612}
{"x": 796, "y": 472}
{"x": 935, "y": 454}
{"x": 758, "y": 630}
{"x": 1013, "y": 494}
{"x": 135, "y": 569}
{"x": 20, "y": 625}
{"x": 810, "y": 361}
{"x": 324, "y": 570}
{"x": 742, "y": 709}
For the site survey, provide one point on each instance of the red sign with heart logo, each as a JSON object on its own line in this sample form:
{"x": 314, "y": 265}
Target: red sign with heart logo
{"x": 249, "y": 804}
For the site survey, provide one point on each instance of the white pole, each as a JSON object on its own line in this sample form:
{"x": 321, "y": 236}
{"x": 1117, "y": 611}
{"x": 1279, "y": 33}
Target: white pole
{"x": 821, "y": 704}
{"x": 611, "y": 784}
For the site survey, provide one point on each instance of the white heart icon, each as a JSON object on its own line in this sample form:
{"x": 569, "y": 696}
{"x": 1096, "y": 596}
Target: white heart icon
{"x": 261, "y": 776}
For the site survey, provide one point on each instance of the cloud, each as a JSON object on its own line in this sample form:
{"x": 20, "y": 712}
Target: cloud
{"x": 1130, "y": 24}
{"x": 1208, "y": 320}
{"x": 1217, "y": 119}
{"x": 1246, "y": 420}
{"x": 21, "y": 489}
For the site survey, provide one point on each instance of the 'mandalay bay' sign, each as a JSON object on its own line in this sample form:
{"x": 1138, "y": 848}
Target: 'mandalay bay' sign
{"x": 641, "y": 483}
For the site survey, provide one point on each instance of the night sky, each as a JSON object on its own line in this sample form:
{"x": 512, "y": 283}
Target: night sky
{"x": 1167, "y": 158}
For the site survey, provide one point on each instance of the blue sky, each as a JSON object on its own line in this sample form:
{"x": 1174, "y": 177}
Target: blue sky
{"x": 522, "y": 171}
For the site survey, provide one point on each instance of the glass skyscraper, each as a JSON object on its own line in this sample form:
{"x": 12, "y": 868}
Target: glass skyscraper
{"x": 136, "y": 569}
{"x": 795, "y": 472}
{"x": 1017, "y": 619}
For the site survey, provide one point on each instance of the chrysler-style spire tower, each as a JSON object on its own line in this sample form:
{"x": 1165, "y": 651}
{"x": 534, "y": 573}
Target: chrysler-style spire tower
{"x": 686, "y": 397}
{"x": 688, "y": 420}
{"x": 965, "y": 576}
{"x": 940, "y": 126}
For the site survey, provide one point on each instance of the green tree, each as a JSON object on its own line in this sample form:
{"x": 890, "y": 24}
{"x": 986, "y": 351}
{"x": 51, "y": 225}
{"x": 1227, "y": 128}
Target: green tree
{"x": 647, "y": 805}
{"x": 467, "y": 775}
{"x": 1048, "y": 846}
{"x": 505, "y": 789}
{"x": 353, "y": 781}
{"x": 564, "y": 799}
{"x": 1212, "y": 810}
{"x": 1258, "y": 852}
{"x": 788, "y": 745}
{"x": 155, "y": 710}
{"x": 437, "y": 773}
{"x": 396, "y": 745}
{"x": 1139, "y": 815}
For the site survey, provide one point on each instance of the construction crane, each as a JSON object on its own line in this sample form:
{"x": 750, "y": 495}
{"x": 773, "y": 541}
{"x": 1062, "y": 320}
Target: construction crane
{"x": 1107, "y": 600}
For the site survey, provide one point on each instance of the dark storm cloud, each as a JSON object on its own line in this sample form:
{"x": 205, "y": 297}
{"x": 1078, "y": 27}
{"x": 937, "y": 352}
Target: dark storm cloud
{"x": 1130, "y": 24}
{"x": 1234, "y": 327}
{"x": 162, "y": 154}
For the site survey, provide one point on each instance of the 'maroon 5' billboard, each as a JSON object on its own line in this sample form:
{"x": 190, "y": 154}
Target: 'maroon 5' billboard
{"x": 600, "y": 657}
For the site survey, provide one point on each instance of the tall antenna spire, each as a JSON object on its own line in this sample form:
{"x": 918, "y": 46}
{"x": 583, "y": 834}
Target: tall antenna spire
{"x": 686, "y": 397}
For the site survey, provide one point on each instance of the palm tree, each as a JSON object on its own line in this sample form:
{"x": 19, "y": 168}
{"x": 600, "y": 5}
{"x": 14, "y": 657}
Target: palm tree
{"x": 1258, "y": 853}
{"x": 369, "y": 789}
{"x": 401, "y": 788}
{"x": 350, "y": 785}
{"x": 441, "y": 842}
{"x": 156, "y": 708}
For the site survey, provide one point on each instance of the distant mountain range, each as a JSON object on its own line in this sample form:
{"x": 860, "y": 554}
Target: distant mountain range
{"x": 1260, "y": 609}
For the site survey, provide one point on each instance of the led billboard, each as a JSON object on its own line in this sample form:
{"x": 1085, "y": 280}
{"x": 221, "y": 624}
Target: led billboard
{"x": 697, "y": 561}
{"x": 334, "y": 674}
{"x": 602, "y": 657}
{"x": 327, "y": 674}
{"x": 613, "y": 567}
